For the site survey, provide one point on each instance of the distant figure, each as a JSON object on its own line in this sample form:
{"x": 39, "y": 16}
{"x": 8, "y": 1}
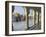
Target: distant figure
{"x": 16, "y": 15}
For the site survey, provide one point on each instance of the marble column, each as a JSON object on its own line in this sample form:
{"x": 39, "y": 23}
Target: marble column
{"x": 25, "y": 17}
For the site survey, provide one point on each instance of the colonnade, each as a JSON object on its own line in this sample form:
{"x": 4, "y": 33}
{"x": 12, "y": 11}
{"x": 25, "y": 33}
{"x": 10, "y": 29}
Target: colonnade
{"x": 36, "y": 16}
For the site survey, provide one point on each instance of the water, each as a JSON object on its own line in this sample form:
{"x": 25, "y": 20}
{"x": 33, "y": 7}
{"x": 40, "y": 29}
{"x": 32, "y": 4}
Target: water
{"x": 21, "y": 25}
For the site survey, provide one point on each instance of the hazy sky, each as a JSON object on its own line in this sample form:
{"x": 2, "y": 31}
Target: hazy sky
{"x": 31, "y": 12}
{"x": 20, "y": 10}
